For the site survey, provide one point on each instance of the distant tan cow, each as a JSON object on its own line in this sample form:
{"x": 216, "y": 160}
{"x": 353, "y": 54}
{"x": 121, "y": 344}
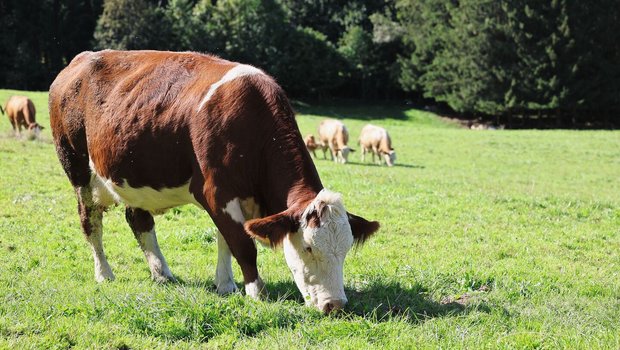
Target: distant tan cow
{"x": 311, "y": 144}
{"x": 334, "y": 135}
{"x": 376, "y": 140}
{"x": 21, "y": 112}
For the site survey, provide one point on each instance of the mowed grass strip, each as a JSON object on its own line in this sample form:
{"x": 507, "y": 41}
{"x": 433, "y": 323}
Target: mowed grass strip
{"x": 489, "y": 239}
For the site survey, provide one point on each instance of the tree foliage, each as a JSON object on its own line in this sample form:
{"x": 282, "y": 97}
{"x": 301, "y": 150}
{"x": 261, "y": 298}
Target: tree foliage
{"x": 514, "y": 59}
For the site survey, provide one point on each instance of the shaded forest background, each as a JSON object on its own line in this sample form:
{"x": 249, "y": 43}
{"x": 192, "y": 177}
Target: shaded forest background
{"x": 516, "y": 63}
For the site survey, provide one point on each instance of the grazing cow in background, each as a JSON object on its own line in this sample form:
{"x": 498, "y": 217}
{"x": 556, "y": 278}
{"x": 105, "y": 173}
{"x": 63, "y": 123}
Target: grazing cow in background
{"x": 155, "y": 130}
{"x": 21, "y": 113}
{"x": 311, "y": 144}
{"x": 376, "y": 140}
{"x": 334, "y": 135}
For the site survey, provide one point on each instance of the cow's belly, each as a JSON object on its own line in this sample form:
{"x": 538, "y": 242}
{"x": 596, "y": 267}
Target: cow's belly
{"x": 106, "y": 193}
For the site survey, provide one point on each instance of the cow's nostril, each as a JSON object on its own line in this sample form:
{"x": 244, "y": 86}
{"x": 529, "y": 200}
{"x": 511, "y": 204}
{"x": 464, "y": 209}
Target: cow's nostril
{"x": 328, "y": 308}
{"x": 332, "y": 306}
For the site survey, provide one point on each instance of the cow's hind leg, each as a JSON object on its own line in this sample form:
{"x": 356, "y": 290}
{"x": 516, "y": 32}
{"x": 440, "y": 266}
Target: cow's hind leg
{"x": 90, "y": 218}
{"x": 143, "y": 227}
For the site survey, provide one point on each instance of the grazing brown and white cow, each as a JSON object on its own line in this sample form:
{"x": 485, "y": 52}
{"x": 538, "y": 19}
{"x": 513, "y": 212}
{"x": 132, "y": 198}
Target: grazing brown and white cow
{"x": 311, "y": 144}
{"x": 376, "y": 140}
{"x": 21, "y": 113}
{"x": 333, "y": 134}
{"x": 155, "y": 130}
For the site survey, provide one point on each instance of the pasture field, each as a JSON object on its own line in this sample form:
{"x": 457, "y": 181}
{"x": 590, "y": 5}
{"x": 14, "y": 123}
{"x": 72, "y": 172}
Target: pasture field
{"x": 489, "y": 239}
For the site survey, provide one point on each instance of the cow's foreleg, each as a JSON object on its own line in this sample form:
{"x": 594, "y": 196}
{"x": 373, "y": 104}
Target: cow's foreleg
{"x": 230, "y": 221}
{"x": 143, "y": 227}
{"x": 90, "y": 217}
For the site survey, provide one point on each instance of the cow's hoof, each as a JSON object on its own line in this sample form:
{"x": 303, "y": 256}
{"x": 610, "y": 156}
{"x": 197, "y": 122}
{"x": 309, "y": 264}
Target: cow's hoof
{"x": 164, "y": 278}
{"x": 104, "y": 275}
{"x": 226, "y": 288}
{"x": 103, "y": 278}
{"x": 256, "y": 290}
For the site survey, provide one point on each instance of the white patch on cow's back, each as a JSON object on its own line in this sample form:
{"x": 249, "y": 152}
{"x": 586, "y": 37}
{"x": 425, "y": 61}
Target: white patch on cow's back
{"x": 236, "y": 72}
{"x": 106, "y": 193}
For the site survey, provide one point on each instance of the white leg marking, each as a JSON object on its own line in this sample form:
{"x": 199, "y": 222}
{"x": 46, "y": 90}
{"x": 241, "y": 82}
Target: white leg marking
{"x": 233, "y": 209}
{"x": 95, "y": 234}
{"x": 157, "y": 263}
{"x": 103, "y": 271}
{"x": 255, "y": 289}
{"x": 224, "y": 279}
{"x": 235, "y": 72}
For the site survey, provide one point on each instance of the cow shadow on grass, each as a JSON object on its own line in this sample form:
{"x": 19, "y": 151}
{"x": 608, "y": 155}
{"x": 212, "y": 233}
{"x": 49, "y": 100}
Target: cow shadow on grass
{"x": 397, "y": 165}
{"x": 384, "y": 301}
{"x": 370, "y": 164}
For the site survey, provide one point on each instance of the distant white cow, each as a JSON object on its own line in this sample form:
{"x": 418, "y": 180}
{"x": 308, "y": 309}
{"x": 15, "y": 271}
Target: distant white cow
{"x": 376, "y": 140}
{"x": 334, "y": 135}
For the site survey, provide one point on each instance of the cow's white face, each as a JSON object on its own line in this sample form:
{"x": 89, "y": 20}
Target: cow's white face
{"x": 344, "y": 154}
{"x": 315, "y": 245}
{"x": 315, "y": 254}
{"x": 390, "y": 158}
{"x": 35, "y": 130}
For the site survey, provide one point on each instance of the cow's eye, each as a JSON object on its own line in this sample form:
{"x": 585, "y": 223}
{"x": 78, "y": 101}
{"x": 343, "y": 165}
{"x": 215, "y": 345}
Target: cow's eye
{"x": 309, "y": 250}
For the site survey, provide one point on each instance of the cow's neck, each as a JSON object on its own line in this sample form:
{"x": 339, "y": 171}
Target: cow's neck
{"x": 292, "y": 178}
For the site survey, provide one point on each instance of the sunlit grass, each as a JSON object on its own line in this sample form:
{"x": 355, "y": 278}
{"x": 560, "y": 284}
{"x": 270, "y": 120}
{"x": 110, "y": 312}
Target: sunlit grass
{"x": 489, "y": 239}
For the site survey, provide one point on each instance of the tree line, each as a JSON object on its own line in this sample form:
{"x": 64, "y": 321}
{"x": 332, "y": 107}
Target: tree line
{"x": 515, "y": 62}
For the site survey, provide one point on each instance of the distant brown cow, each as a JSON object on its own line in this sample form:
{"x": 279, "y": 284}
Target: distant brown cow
{"x": 21, "y": 112}
{"x": 376, "y": 140}
{"x": 311, "y": 144}
{"x": 335, "y": 136}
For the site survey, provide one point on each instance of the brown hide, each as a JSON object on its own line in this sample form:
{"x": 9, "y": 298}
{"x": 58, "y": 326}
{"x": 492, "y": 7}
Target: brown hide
{"x": 135, "y": 116}
{"x": 143, "y": 120}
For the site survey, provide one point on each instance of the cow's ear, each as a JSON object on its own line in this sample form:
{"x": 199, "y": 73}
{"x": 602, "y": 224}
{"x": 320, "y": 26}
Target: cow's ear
{"x": 362, "y": 229}
{"x": 272, "y": 229}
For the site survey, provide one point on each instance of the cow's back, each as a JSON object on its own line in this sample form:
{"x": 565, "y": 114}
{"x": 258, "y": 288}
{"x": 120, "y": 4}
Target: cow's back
{"x": 330, "y": 131}
{"x": 372, "y": 136}
{"x": 129, "y": 113}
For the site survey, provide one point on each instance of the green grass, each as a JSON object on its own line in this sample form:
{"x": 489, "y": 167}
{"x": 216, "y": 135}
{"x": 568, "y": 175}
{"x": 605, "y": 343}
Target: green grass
{"x": 489, "y": 239}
